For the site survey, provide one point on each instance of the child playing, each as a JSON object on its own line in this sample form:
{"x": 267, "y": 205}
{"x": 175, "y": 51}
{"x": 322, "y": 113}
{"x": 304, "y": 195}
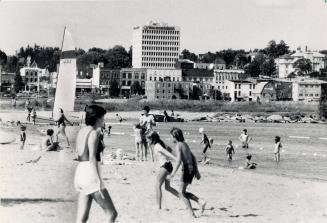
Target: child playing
{"x": 190, "y": 170}
{"x": 34, "y": 116}
{"x": 140, "y": 140}
{"x": 29, "y": 111}
{"x": 22, "y": 136}
{"x": 109, "y": 129}
{"x": 244, "y": 138}
{"x": 48, "y": 144}
{"x": 119, "y": 118}
{"x": 230, "y": 150}
{"x": 278, "y": 146}
{"x": 206, "y": 144}
{"x": 249, "y": 164}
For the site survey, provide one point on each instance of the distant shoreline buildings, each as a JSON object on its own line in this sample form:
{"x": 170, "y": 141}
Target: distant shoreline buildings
{"x": 158, "y": 73}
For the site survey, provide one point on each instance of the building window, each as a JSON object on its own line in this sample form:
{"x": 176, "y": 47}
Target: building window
{"x": 124, "y": 83}
{"x": 250, "y": 93}
{"x": 317, "y": 95}
{"x": 129, "y": 75}
{"x": 143, "y": 76}
{"x": 129, "y": 83}
{"x": 136, "y": 75}
{"x": 235, "y": 86}
{"x": 124, "y": 75}
{"x": 301, "y": 95}
{"x": 239, "y": 93}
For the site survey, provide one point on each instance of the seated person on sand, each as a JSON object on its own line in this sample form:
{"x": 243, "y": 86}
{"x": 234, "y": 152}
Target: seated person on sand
{"x": 248, "y": 163}
{"x": 48, "y": 144}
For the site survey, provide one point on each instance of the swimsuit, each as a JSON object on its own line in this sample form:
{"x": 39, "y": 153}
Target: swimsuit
{"x": 168, "y": 166}
{"x": 86, "y": 182}
{"x": 188, "y": 173}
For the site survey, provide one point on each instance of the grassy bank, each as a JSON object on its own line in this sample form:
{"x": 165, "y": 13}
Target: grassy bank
{"x": 278, "y": 107}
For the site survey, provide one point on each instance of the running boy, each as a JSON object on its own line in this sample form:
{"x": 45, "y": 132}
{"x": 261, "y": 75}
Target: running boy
{"x": 230, "y": 150}
{"x": 34, "y": 116}
{"x": 244, "y": 138}
{"x": 139, "y": 142}
{"x": 206, "y": 144}
{"x": 278, "y": 146}
{"x": 22, "y": 137}
{"x": 185, "y": 157}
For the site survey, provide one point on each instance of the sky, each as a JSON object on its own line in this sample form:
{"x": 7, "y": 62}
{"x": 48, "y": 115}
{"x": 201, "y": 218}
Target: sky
{"x": 206, "y": 25}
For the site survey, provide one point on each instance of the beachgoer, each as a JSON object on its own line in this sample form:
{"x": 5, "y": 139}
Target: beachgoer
{"x": 185, "y": 157}
{"x": 22, "y": 136}
{"x": 230, "y": 150}
{"x": 163, "y": 156}
{"x": 61, "y": 122}
{"x": 166, "y": 117}
{"x": 248, "y": 163}
{"x": 27, "y": 103}
{"x": 119, "y": 118}
{"x": 34, "y": 116}
{"x": 278, "y": 146}
{"x": 172, "y": 113}
{"x": 206, "y": 144}
{"x": 109, "y": 129}
{"x": 140, "y": 141}
{"x": 48, "y": 144}
{"x": 245, "y": 139}
{"x": 101, "y": 145}
{"x": 29, "y": 111}
{"x": 147, "y": 122}
{"x": 87, "y": 176}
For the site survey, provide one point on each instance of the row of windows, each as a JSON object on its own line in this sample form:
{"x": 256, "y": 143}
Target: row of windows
{"x": 223, "y": 87}
{"x": 239, "y": 93}
{"x": 310, "y": 95}
{"x": 159, "y": 54}
{"x": 161, "y": 37}
{"x": 155, "y": 79}
{"x": 161, "y": 48}
{"x": 108, "y": 75}
{"x": 129, "y": 83}
{"x": 164, "y": 43}
{"x": 199, "y": 79}
{"x": 155, "y": 31}
{"x": 309, "y": 86}
{"x": 31, "y": 73}
{"x": 239, "y": 86}
{"x": 226, "y": 77}
{"x": 157, "y": 64}
{"x": 31, "y": 79}
{"x": 162, "y": 59}
{"x": 136, "y": 75}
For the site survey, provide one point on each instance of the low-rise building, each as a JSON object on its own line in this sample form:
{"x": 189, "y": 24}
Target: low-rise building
{"x": 286, "y": 63}
{"x": 239, "y": 90}
{"x": 7, "y": 81}
{"x": 306, "y": 89}
{"x": 166, "y": 90}
{"x": 163, "y": 74}
{"x": 103, "y": 77}
{"x": 220, "y": 76}
{"x": 129, "y": 76}
{"x": 265, "y": 92}
{"x": 198, "y": 75}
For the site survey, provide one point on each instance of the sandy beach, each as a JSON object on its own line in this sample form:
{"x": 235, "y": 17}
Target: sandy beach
{"x": 43, "y": 191}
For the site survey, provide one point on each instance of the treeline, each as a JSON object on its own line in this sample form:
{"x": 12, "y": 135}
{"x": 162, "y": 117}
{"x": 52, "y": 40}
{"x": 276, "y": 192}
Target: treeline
{"x": 49, "y": 57}
{"x": 255, "y": 63}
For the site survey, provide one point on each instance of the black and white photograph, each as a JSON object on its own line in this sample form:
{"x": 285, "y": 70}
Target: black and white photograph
{"x": 163, "y": 111}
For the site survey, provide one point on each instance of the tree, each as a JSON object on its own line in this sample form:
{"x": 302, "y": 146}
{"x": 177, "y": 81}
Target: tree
{"x": 303, "y": 66}
{"x": 117, "y": 57}
{"x": 18, "y": 81}
{"x": 186, "y": 54}
{"x": 291, "y": 75}
{"x": 179, "y": 90}
{"x": 114, "y": 88}
{"x": 3, "y": 58}
{"x": 254, "y": 68}
{"x": 196, "y": 93}
{"x": 136, "y": 88}
{"x": 274, "y": 50}
{"x": 268, "y": 67}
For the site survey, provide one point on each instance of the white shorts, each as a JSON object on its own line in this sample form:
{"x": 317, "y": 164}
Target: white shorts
{"x": 85, "y": 181}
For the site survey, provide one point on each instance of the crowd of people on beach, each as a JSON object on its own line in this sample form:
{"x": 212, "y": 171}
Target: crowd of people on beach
{"x": 148, "y": 146}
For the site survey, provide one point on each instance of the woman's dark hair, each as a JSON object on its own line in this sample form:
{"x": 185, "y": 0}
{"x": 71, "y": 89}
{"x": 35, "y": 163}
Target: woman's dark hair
{"x": 93, "y": 113}
{"x": 49, "y": 132}
{"x": 146, "y": 108}
{"x": 277, "y": 139}
{"x": 177, "y": 134}
{"x": 154, "y": 138}
{"x": 248, "y": 156}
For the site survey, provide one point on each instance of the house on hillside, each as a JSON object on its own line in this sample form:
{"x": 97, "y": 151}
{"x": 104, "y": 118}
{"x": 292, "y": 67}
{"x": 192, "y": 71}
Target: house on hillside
{"x": 265, "y": 92}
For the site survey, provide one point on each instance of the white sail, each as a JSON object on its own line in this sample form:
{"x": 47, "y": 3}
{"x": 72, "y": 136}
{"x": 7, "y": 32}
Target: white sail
{"x": 66, "y": 79}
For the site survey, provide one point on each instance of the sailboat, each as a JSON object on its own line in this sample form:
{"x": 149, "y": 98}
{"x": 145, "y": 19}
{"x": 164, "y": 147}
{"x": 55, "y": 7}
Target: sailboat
{"x": 66, "y": 78}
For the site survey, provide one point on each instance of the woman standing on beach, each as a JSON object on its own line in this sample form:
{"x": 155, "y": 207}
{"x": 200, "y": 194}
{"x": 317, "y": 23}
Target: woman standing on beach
{"x": 163, "y": 156}
{"x": 87, "y": 176}
{"x": 62, "y": 126}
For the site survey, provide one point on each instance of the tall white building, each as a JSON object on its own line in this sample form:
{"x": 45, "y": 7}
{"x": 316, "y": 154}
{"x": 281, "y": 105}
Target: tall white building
{"x": 156, "y": 45}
